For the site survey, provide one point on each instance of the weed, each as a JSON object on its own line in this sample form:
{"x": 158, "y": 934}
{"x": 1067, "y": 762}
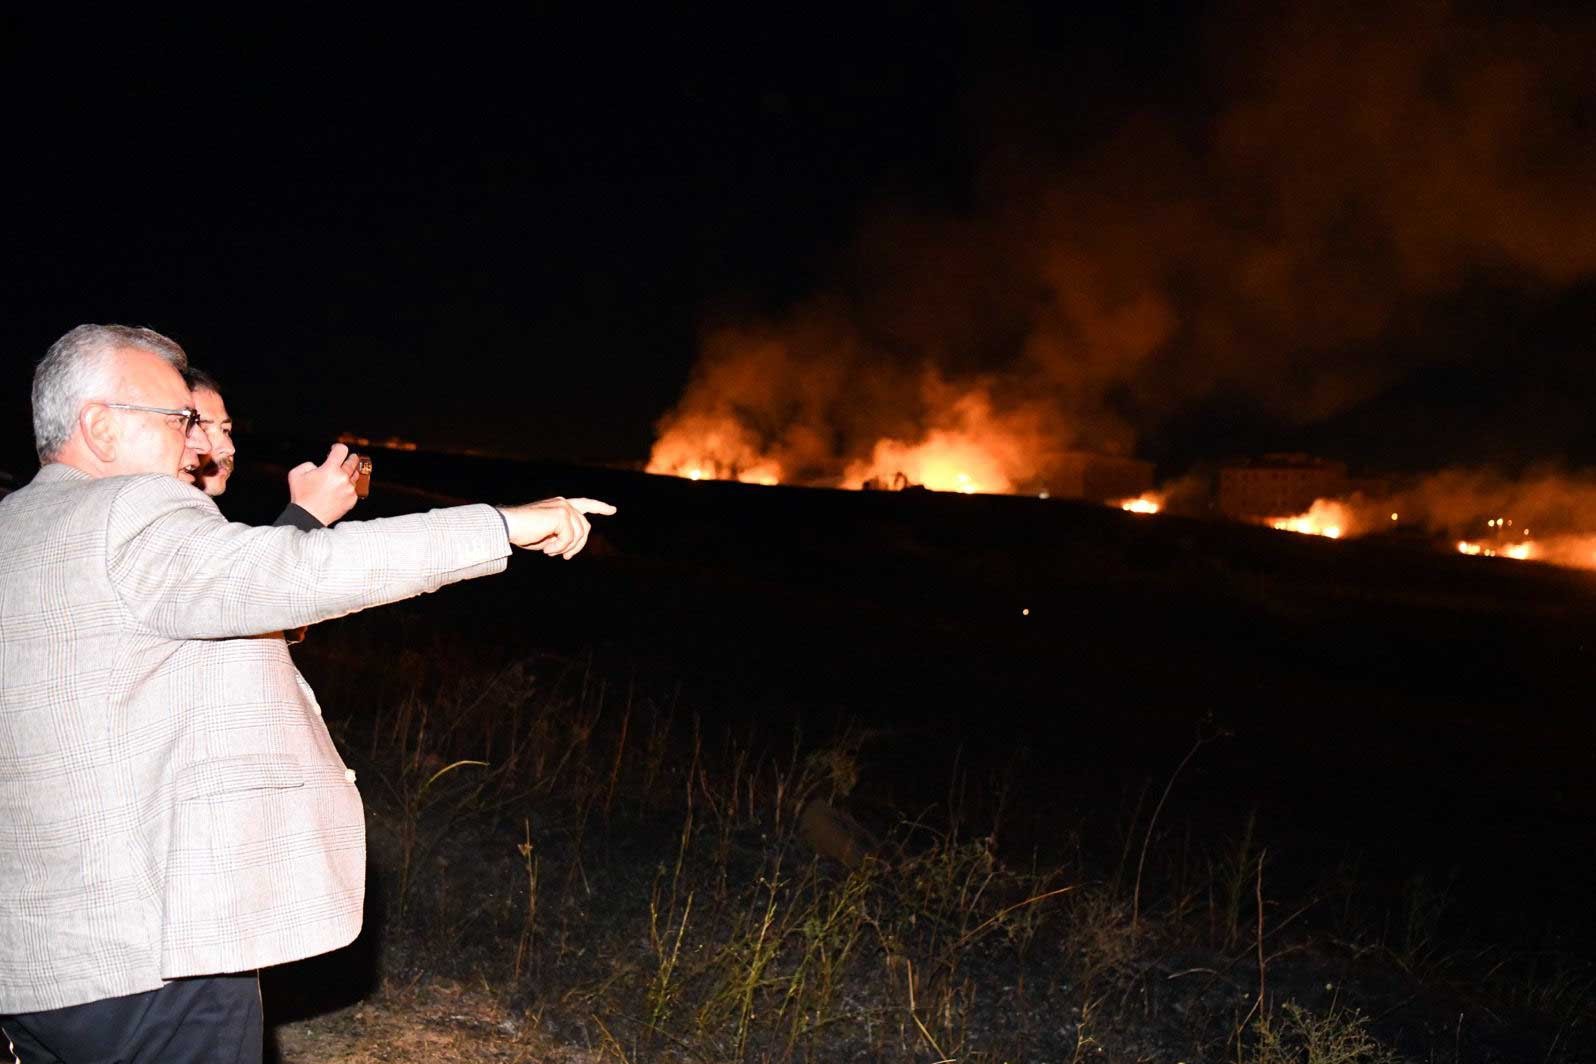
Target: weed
{"x": 1298, "y": 1036}
{"x": 530, "y": 860}
{"x": 1234, "y": 876}
{"x": 1418, "y": 947}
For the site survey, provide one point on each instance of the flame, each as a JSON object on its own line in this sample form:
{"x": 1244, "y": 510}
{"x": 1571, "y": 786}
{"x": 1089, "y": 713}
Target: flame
{"x": 1145, "y": 503}
{"x": 970, "y": 445}
{"x": 1326, "y": 517}
{"x": 1520, "y": 551}
{"x": 944, "y": 461}
{"x": 766, "y": 473}
{"x": 975, "y": 449}
{"x": 707, "y": 448}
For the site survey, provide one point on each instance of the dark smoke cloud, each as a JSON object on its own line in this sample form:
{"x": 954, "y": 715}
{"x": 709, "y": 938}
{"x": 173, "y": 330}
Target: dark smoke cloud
{"x": 1349, "y": 166}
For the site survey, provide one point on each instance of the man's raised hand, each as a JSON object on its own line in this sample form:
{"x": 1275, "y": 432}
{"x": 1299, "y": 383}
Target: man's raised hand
{"x": 325, "y": 491}
{"x": 553, "y": 526}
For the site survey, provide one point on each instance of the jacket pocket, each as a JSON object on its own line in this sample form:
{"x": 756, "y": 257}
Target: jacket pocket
{"x": 239, "y": 774}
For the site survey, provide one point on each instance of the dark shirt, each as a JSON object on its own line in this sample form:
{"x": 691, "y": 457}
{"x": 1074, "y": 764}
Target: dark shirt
{"x": 299, "y": 517}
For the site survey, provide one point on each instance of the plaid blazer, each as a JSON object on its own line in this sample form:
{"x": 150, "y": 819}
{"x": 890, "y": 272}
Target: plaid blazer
{"x": 170, "y": 801}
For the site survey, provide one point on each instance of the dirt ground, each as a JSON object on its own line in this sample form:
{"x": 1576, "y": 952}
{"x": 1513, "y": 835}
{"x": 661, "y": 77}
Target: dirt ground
{"x": 442, "y": 1022}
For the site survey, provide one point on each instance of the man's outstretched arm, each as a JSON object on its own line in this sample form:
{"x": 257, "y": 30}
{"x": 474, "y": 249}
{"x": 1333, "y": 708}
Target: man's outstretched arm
{"x": 184, "y": 571}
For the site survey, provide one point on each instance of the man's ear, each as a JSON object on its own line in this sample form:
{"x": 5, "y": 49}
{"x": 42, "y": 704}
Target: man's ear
{"x": 98, "y": 425}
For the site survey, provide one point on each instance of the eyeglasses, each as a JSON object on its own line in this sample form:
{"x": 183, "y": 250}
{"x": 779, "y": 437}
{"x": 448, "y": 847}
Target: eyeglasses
{"x": 190, "y": 416}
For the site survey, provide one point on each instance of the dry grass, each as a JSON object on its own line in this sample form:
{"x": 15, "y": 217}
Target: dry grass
{"x": 648, "y": 891}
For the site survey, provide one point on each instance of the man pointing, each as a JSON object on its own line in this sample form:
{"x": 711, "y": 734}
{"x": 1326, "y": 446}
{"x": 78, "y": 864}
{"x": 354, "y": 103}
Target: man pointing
{"x": 173, "y": 814}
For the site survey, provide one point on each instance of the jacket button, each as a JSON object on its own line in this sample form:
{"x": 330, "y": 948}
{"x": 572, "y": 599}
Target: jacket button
{"x": 349, "y": 774}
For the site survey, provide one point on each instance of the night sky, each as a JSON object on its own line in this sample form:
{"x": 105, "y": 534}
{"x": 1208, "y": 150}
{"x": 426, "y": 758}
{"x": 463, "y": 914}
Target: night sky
{"x": 514, "y": 232}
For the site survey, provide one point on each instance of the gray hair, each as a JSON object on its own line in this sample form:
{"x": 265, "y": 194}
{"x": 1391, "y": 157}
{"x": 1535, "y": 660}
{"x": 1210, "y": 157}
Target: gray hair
{"x": 76, "y": 367}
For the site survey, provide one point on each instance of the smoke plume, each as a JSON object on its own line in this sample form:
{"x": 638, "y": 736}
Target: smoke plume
{"x": 1349, "y": 167}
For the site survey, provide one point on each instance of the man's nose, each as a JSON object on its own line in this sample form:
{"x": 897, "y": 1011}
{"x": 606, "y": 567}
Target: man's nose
{"x": 197, "y": 439}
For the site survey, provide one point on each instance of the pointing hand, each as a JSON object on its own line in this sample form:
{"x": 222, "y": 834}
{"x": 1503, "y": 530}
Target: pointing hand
{"x": 553, "y": 526}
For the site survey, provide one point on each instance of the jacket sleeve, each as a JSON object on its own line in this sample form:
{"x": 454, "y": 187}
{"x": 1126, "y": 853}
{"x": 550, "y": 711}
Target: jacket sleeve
{"x": 184, "y": 571}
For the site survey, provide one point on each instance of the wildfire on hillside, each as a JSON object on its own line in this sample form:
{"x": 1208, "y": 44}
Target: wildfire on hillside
{"x": 942, "y": 462}
{"x": 1083, "y": 302}
{"x": 1440, "y": 504}
{"x": 988, "y": 438}
{"x": 704, "y": 448}
{"x": 971, "y": 445}
{"x": 1517, "y": 551}
{"x": 1325, "y": 517}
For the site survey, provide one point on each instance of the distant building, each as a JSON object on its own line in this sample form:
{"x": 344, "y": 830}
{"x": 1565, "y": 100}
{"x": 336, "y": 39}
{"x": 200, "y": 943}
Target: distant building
{"x": 1098, "y": 477}
{"x": 1278, "y": 485}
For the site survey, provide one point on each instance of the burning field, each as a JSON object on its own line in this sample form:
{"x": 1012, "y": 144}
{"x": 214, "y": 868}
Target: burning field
{"x": 1545, "y": 517}
{"x": 1127, "y": 297}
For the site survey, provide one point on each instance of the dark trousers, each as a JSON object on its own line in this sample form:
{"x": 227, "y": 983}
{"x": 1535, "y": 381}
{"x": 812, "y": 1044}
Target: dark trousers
{"x": 210, "y": 1020}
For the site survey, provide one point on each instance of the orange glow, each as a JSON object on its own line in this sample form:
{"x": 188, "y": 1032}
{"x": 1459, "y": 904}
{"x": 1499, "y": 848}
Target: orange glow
{"x": 976, "y": 448}
{"x": 704, "y": 448}
{"x": 1519, "y": 551}
{"x": 970, "y": 447}
{"x": 1325, "y": 517}
{"x": 766, "y": 473}
{"x": 1145, "y": 503}
{"x": 1576, "y": 550}
{"x": 944, "y": 461}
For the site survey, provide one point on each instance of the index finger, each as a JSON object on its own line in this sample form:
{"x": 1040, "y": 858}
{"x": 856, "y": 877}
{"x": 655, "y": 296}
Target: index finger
{"x": 591, "y": 506}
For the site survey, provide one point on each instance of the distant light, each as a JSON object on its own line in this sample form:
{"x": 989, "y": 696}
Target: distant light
{"x": 1393, "y": 517}
{"x": 1025, "y": 611}
{"x": 1042, "y": 494}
